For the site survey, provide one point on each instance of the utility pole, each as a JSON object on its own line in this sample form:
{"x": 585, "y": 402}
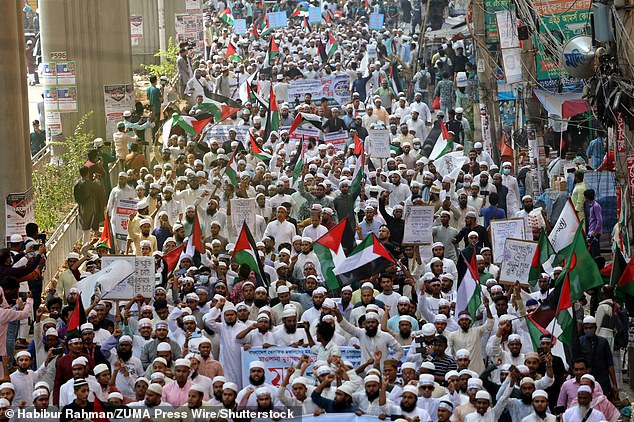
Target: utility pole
{"x": 487, "y": 84}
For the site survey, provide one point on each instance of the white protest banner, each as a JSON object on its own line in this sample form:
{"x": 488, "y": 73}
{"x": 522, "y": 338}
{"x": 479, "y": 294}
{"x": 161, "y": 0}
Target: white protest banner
{"x": 113, "y": 272}
{"x": 512, "y": 228}
{"x": 19, "y": 211}
{"x": 565, "y": 228}
{"x": 117, "y": 99}
{"x": 243, "y": 210}
{"x": 277, "y": 360}
{"x": 450, "y": 164}
{"x": 378, "y": 143}
{"x": 120, "y": 220}
{"x": 193, "y": 6}
{"x": 335, "y": 88}
{"x": 338, "y": 139}
{"x": 418, "y": 221}
{"x": 221, "y": 133}
{"x": 517, "y": 260}
{"x": 140, "y": 279}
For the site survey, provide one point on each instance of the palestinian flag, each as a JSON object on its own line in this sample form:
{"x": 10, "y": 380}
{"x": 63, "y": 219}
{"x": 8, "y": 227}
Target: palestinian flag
{"x": 469, "y": 289}
{"x": 274, "y": 50}
{"x": 305, "y": 118}
{"x": 625, "y": 283}
{"x": 189, "y": 124}
{"x": 443, "y": 145}
{"x": 99, "y": 411}
{"x": 329, "y": 250}
{"x": 76, "y": 319}
{"x": 245, "y": 252}
{"x": 273, "y": 117}
{"x": 368, "y": 258}
{"x": 358, "y": 145}
{"x": 297, "y": 163}
{"x": 306, "y": 25}
{"x": 232, "y": 53}
{"x": 331, "y": 45}
{"x": 231, "y": 171}
{"x": 542, "y": 254}
{"x": 300, "y": 10}
{"x": 357, "y": 176}
{"x": 321, "y": 50}
{"x": 171, "y": 258}
{"x": 195, "y": 242}
{"x": 226, "y": 17}
{"x": 257, "y": 151}
{"x": 581, "y": 272}
{"x": 254, "y": 33}
{"x": 220, "y": 107}
{"x": 394, "y": 80}
{"x": 265, "y": 29}
{"x": 105, "y": 241}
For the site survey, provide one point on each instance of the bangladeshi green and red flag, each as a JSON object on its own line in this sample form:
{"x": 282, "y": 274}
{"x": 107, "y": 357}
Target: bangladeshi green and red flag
{"x": 625, "y": 283}
{"x": 329, "y": 250}
{"x": 554, "y": 315}
{"x": 368, "y": 258}
{"x": 246, "y": 253}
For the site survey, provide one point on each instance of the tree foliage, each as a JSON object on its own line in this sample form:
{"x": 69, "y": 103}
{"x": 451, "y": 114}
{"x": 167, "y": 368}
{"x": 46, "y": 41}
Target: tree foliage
{"x": 167, "y": 67}
{"x": 53, "y": 185}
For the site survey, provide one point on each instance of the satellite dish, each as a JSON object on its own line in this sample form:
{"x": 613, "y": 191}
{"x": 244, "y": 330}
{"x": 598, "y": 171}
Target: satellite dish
{"x": 578, "y": 56}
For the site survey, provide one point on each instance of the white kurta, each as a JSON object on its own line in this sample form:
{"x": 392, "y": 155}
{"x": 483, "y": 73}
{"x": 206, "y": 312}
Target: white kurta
{"x": 230, "y": 349}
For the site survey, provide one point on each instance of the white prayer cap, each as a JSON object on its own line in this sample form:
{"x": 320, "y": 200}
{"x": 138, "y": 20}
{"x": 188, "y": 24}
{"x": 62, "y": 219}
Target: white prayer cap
{"x": 256, "y": 364}
{"x": 483, "y": 395}
{"x": 540, "y": 393}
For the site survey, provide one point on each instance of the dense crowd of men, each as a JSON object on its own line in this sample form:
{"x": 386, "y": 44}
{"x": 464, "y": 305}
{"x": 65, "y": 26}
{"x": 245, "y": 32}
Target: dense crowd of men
{"x": 181, "y": 347}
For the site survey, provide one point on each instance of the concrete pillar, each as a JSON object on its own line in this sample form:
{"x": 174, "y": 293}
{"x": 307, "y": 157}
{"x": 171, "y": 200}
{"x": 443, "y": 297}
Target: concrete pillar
{"x": 95, "y": 35}
{"x": 158, "y": 28}
{"x": 15, "y": 160}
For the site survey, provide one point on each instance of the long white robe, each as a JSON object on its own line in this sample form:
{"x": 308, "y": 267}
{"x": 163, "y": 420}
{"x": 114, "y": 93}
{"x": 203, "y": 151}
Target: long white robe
{"x": 230, "y": 349}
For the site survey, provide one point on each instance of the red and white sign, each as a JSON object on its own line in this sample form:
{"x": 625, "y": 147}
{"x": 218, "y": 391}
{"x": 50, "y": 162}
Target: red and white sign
{"x": 620, "y": 133}
{"x": 630, "y": 176}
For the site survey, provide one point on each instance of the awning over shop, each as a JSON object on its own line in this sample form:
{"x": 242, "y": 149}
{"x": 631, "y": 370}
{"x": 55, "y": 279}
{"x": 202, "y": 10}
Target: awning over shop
{"x": 564, "y": 105}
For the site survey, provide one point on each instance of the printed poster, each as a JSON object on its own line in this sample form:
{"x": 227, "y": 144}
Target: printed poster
{"x": 50, "y": 99}
{"x": 20, "y": 210}
{"x": 193, "y": 6}
{"x": 239, "y": 26}
{"x": 141, "y": 281}
{"x": 136, "y": 29}
{"x": 338, "y": 139}
{"x": 120, "y": 220}
{"x": 66, "y": 73}
{"x": 190, "y": 28}
{"x": 117, "y": 99}
{"x": 67, "y": 98}
{"x": 53, "y": 123}
{"x": 418, "y": 220}
{"x": 376, "y": 21}
{"x": 277, "y": 20}
{"x": 314, "y": 14}
{"x": 49, "y": 74}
